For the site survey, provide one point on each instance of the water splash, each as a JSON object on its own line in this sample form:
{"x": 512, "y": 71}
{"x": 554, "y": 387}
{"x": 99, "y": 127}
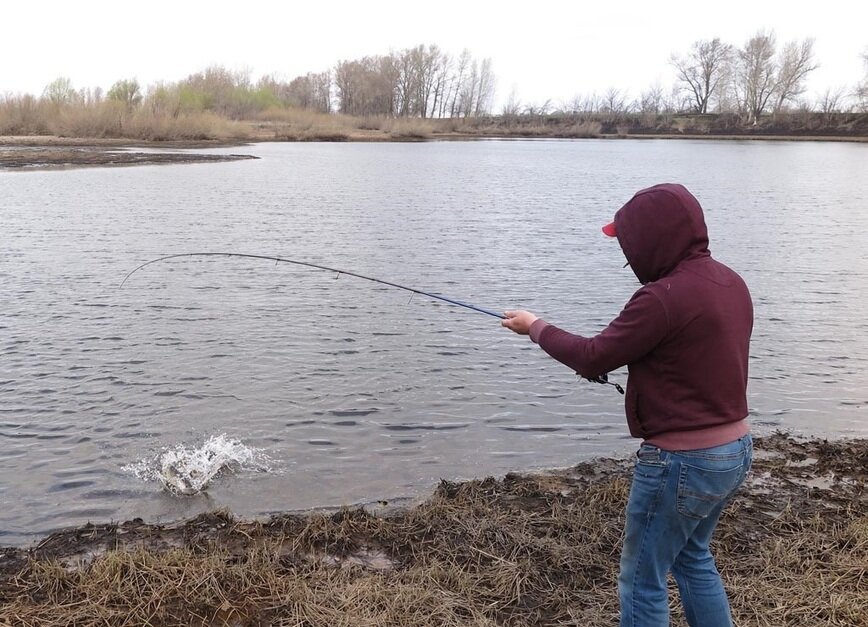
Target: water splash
{"x": 185, "y": 470}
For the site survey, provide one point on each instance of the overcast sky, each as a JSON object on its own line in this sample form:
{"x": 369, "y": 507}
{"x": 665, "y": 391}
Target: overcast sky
{"x": 544, "y": 50}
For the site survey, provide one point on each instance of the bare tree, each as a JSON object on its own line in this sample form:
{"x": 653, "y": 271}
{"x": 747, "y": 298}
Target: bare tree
{"x": 614, "y": 101}
{"x": 795, "y": 63}
{"x": 442, "y": 84}
{"x": 321, "y": 91}
{"x": 367, "y": 86}
{"x": 469, "y": 92}
{"x": 484, "y": 88}
{"x": 311, "y": 91}
{"x": 861, "y": 93}
{"x": 673, "y": 102}
{"x": 90, "y": 96}
{"x": 428, "y": 62}
{"x": 346, "y": 85}
{"x": 574, "y": 105}
{"x": 725, "y": 98}
{"x": 421, "y": 81}
{"x": 407, "y": 65}
{"x": 538, "y": 110}
{"x": 584, "y": 104}
{"x": 651, "y": 100}
{"x": 461, "y": 70}
{"x": 701, "y": 71}
{"x": 832, "y": 101}
{"x": 756, "y": 74}
{"x": 512, "y": 106}
{"x": 382, "y": 79}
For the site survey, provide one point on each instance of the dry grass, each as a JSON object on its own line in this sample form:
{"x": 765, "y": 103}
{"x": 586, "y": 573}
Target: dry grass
{"x": 524, "y": 550}
{"x": 27, "y": 117}
{"x": 303, "y": 125}
{"x": 306, "y": 125}
{"x": 584, "y": 128}
{"x": 408, "y": 128}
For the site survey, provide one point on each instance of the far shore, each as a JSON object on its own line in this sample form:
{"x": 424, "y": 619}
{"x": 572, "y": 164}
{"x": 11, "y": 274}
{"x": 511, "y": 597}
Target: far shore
{"x": 539, "y": 549}
{"x": 33, "y": 152}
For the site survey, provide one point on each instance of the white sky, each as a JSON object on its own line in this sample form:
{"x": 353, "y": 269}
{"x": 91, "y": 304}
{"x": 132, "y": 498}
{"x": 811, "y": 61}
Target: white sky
{"x": 557, "y": 49}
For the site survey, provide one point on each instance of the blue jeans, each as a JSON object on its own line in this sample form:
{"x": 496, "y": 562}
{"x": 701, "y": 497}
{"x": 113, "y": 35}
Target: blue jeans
{"x": 674, "y": 505}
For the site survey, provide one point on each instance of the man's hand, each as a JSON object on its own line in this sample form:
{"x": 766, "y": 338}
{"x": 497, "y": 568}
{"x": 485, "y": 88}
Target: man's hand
{"x": 518, "y": 321}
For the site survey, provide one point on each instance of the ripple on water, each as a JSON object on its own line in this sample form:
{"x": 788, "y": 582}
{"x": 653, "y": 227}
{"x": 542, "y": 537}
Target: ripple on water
{"x": 424, "y": 426}
{"x": 70, "y": 485}
{"x": 392, "y": 388}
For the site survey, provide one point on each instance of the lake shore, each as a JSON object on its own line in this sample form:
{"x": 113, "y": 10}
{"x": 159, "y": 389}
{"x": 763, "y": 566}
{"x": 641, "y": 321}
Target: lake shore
{"x": 537, "y": 549}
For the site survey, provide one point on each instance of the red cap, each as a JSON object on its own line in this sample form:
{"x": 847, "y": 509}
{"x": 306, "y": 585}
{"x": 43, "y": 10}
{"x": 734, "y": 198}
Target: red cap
{"x": 609, "y": 230}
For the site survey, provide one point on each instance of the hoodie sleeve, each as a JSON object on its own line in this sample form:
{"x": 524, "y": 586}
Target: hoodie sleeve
{"x": 634, "y": 333}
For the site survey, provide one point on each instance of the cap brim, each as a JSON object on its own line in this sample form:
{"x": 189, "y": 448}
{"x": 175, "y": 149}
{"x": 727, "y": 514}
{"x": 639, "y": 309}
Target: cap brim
{"x": 609, "y": 230}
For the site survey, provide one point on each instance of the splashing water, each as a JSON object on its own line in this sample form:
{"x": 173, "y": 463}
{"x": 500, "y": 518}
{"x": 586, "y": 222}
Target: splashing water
{"x": 184, "y": 470}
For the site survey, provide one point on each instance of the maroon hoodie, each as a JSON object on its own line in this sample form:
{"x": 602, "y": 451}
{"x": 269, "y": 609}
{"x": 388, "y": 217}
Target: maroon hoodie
{"x": 684, "y": 335}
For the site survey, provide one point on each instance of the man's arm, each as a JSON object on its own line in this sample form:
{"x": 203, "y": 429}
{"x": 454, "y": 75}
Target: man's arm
{"x": 637, "y": 330}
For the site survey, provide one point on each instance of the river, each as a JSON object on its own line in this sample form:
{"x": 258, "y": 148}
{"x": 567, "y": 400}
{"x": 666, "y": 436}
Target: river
{"x": 353, "y": 391}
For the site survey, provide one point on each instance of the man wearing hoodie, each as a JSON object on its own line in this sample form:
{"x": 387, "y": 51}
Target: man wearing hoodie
{"x": 684, "y": 337}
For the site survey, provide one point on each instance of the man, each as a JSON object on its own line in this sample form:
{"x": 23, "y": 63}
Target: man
{"x": 684, "y": 337}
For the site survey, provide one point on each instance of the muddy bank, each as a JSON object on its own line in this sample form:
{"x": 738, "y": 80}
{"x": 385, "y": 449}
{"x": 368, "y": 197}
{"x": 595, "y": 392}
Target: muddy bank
{"x": 55, "y": 152}
{"x": 523, "y": 550}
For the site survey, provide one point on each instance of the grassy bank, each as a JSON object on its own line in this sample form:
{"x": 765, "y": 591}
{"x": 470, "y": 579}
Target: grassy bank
{"x": 802, "y": 125}
{"x": 107, "y": 119}
{"x": 523, "y": 550}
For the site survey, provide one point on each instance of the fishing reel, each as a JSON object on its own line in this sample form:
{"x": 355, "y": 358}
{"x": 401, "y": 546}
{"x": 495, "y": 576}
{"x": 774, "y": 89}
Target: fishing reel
{"x": 604, "y": 379}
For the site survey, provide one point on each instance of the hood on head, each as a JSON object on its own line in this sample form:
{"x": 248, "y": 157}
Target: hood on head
{"x": 660, "y": 227}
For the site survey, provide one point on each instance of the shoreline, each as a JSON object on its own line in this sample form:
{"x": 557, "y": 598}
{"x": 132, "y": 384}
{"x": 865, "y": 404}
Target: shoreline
{"x": 54, "y": 153}
{"x": 25, "y": 153}
{"x": 525, "y": 549}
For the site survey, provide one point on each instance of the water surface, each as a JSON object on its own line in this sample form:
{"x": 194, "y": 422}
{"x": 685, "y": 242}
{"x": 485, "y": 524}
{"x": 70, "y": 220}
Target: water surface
{"x": 358, "y": 391}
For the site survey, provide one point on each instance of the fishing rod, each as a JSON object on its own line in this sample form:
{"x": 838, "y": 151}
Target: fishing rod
{"x": 600, "y": 379}
{"x": 308, "y": 264}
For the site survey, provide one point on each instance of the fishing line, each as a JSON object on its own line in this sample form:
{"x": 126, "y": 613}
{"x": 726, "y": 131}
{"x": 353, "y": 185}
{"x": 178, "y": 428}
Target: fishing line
{"x": 308, "y": 264}
{"x": 601, "y": 379}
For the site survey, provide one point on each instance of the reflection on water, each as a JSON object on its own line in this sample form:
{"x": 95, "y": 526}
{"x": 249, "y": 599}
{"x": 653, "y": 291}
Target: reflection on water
{"x": 357, "y": 391}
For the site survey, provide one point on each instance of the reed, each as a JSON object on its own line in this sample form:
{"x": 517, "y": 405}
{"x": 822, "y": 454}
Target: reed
{"x": 293, "y": 124}
{"x": 408, "y": 128}
{"x": 23, "y": 116}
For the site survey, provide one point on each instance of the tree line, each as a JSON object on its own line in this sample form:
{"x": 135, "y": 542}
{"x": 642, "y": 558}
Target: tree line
{"x": 752, "y": 80}
{"x": 423, "y": 81}
{"x": 755, "y": 79}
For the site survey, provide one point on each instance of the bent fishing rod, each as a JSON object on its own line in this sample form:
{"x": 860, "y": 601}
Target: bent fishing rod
{"x": 601, "y": 379}
{"x": 320, "y": 267}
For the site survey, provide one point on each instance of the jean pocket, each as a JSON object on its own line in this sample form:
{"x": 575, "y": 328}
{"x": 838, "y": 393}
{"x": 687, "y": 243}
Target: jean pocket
{"x": 700, "y": 490}
{"x": 650, "y": 461}
{"x": 649, "y": 454}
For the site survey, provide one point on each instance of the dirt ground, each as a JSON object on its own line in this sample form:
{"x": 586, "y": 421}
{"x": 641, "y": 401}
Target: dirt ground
{"x": 523, "y": 550}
